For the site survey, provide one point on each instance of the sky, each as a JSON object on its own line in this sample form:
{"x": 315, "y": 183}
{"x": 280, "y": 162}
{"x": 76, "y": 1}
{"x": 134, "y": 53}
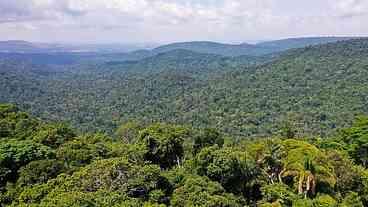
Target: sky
{"x": 164, "y": 21}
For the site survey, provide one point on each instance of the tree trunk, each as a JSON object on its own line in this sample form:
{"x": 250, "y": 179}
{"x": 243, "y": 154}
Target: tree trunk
{"x": 280, "y": 175}
{"x": 300, "y": 184}
{"x": 311, "y": 184}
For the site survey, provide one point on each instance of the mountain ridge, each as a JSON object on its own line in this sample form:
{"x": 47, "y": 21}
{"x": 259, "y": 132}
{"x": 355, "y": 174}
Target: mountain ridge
{"x": 210, "y": 47}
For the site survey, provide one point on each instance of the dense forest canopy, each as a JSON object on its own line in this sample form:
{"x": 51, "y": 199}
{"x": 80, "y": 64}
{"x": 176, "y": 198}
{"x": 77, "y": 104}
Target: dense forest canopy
{"x": 183, "y": 126}
{"x": 316, "y": 90}
{"x": 50, "y": 164}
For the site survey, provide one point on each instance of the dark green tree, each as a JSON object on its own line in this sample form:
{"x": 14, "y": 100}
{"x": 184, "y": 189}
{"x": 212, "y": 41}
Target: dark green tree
{"x": 206, "y": 138}
{"x": 164, "y": 144}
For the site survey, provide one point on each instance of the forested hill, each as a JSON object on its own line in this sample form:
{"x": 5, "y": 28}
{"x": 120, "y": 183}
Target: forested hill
{"x": 211, "y": 48}
{"x": 186, "y": 61}
{"x": 292, "y": 43}
{"x": 313, "y": 90}
{"x": 317, "y": 88}
{"x": 233, "y": 50}
{"x": 174, "y": 60}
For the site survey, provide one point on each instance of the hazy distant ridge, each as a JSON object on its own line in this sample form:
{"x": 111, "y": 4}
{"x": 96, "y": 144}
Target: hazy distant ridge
{"x": 223, "y": 49}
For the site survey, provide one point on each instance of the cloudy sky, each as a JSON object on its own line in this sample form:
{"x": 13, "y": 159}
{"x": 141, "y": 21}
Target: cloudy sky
{"x": 162, "y": 21}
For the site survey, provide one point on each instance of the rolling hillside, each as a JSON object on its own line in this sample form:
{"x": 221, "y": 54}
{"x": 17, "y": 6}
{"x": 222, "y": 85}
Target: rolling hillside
{"x": 263, "y": 48}
{"x": 316, "y": 89}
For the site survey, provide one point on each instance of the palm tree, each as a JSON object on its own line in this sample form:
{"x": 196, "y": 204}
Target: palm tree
{"x": 308, "y": 167}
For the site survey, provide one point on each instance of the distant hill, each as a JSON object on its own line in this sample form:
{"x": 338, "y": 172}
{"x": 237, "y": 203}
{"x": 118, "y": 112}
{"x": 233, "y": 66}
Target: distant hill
{"x": 130, "y": 52}
{"x": 187, "y": 61}
{"x": 24, "y": 47}
{"x": 291, "y": 43}
{"x": 248, "y": 49}
{"x": 63, "y": 58}
{"x": 209, "y": 47}
{"x": 241, "y": 52}
{"x": 18, "y": 46}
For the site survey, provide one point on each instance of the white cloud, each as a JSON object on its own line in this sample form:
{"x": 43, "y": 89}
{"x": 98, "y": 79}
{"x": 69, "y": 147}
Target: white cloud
{"x": 350, "y": 8}
{"x": 172, "y": 20}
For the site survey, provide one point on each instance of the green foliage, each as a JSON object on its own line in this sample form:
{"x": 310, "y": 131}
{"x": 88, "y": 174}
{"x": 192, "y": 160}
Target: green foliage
{"x": 54, "y": 135}
{"x": 128, "y": 131}
{"x": 278, "y": 193}
{"x": 207, "y": 138}
{"x": 15, "y": 124}
{"x": 325, "y": 201}
{"x": 302, "y": 203}
{"x": 15, "y": 154}
{"x": 82, "y": 150}
{"x": 6, "y": 109}
{"x": 356, "y": 139}
{"x": 308, "y": 167}
{"x": 39, "y": 171}
{"x": 199, "y": 191}
{"x": 349, "y": 177}
{"x": 50, "y": 165}
{"x": 351, "y": 200}
{"x": 288, "y": 130}
{"x": 320, "y": 87}
{"x": 233, "y": 169}
{"x": 103, "y": 183}
{"x": 269, "y": 155}
{"x": 164, "y": 144}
